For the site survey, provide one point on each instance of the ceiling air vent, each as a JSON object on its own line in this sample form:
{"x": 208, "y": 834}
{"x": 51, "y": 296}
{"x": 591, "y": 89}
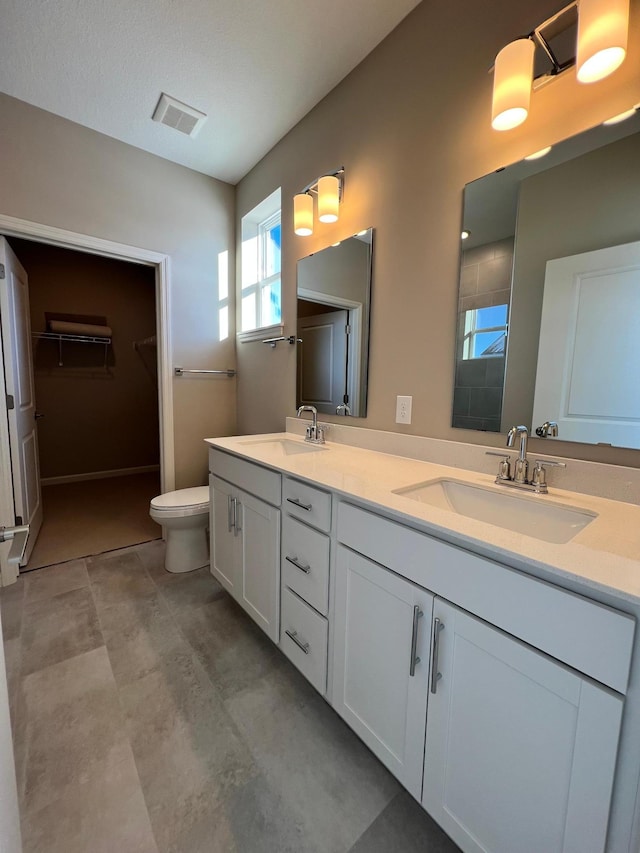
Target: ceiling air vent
{"x": 179, "y": 116}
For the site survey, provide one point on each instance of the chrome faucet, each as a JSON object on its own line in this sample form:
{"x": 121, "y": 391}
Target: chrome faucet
{"x": 520, "y": 479}
{"x": 521, "y": 466}
{"x": 314, "y": 433}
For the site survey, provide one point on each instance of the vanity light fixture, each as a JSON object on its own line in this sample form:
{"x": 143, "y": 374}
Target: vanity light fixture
{"x": 329, "y": 190}
{"x": 601, "y": 33}
{"x": 465, "y": 234}
{"x": 538, "y": 154}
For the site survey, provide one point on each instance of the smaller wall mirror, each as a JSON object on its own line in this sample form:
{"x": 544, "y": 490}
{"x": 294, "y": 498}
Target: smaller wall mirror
{"x": 334, "y": 297}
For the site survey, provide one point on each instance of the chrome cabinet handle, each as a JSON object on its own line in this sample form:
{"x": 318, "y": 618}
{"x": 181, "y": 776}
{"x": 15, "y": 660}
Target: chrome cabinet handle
{"x": 297, "y": 502}
{"x": 237, "y": 515}
{"x": 230, "y": 520}
{"x": 417, "y": 615}
{"x": 293, "y": 635}
{"x": 435, "y": 651}
{"x": 294, "y": 562}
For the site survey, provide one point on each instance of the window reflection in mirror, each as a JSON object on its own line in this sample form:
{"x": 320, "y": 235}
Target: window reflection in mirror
{"x": 334, "y": 292}
{"x": 528, "y": 223}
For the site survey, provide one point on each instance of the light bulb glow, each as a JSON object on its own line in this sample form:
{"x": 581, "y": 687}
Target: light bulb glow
{"x": 538, "y": 154}
{"x": 603, "y": 28}
{"x": 620, "y": 117}
{"x": 328, "y": 198}
{"x": 465, "y": 235}
{"x": 303, "y": 214}
{"x": 512, "y": 79}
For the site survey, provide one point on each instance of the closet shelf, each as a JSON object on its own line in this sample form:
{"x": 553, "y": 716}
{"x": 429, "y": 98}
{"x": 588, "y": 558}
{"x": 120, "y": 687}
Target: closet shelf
{"x": 61, "y": 337}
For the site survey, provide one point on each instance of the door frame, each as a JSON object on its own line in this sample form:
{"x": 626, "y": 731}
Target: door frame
{"x": 354, "y": 349}
{"x": 11, "y": 226}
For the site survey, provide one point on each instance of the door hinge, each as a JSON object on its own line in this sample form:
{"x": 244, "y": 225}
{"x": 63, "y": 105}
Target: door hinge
{"x": 2, "y": 273}
{"x": 11, "y": 403}
{"x": 345, "y": 399}
{"x": 18, "y": 519}
{"x": 347, "y": 329}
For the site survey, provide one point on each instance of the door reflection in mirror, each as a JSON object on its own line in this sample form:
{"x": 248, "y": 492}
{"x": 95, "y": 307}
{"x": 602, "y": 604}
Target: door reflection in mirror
{"x": 333, "y": 310}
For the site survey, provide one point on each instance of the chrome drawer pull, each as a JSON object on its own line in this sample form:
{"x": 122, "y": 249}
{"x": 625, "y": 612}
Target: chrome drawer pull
{"x": 435, "y": 650}
{"x": 230, "y": 520}
{"x": 297, "y": 502}
{"x": 417, "y": 614}
{"x": 293, "y": 635}
{"x": 294, "y": 562}
{"x": 237, "y": 507}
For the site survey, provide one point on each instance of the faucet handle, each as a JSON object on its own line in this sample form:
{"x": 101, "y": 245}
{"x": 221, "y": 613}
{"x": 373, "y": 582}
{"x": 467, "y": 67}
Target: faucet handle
{"x": 551, "y": 462}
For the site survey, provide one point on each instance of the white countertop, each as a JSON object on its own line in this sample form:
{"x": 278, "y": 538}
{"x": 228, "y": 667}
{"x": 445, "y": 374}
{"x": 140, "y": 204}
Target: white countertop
{"x": 604, "y": 556}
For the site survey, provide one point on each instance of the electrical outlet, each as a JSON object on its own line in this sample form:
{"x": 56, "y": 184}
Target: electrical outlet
{"x": 403, "y": 410}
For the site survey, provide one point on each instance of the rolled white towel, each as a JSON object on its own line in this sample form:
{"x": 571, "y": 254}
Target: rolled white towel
{"x": 62, "y": 327}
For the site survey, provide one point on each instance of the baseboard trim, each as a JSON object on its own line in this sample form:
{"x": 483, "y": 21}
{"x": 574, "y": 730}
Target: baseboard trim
{"x": 98, "y": 475}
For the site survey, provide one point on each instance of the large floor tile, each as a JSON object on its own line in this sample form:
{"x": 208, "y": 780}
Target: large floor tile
{"x": 234, "y": 651}
{"x": 55, "y": 580}
{"x": 190, "y": 591}
{"x": 330, "y": 782}
{"x": 58, "y": 628}
{"x": 75, "y": 727}
{"x": 118, "y": 577}
{"x": 404, "y": 826}
{"x": 141, "y": 636}
{"x": 189, "y": 755}
{"x": 106, "y": 814}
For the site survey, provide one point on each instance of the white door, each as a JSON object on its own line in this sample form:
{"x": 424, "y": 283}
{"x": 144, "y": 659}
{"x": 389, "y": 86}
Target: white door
{"x": 588, "y": 377}
{"x": 222, "y": 532}
{"x": 258, "y": 528}
{"x": 520, "y": 750}
{"x": 381, "y": 663}
{"x": 20, "y": 390}
{"x": 322, "y": 361}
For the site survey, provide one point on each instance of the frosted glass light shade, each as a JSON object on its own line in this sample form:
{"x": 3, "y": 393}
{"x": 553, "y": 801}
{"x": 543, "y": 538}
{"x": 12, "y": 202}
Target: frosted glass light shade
{"x": 603, "y": 28}
{"x": 512, "y": 79}
{"x": 303, "y": 214}
{"x": 328, "y": 198}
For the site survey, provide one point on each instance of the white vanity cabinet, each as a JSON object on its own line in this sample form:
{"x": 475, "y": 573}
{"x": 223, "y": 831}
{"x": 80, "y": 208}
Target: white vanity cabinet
{"x": 305, "y": 555}
{"x": 382, "y": 641}
{"x": 520, "y": 750}
{"x": 245, "y": 537}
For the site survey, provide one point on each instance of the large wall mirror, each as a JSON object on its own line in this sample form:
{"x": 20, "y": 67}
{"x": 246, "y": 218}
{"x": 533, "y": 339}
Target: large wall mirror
{"x": 334, "y": 297}
{"x": 549, "y": 297}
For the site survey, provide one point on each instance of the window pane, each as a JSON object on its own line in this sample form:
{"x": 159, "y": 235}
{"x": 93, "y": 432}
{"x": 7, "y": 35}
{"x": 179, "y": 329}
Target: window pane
{"x": 272, "y": 251}
{"x": 488, "y": 318}
{"x": 489, "y": 343}
{"x": 270, "y": 304}
{"x": 249, "y": 320}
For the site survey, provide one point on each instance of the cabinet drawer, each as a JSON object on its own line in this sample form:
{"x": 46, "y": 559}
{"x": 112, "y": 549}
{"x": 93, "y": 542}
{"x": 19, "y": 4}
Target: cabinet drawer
{"x": 312, "y": 505}
{"x": 261, "y": 482}
{"x": 588, "y": 636}
{"x": 305, "y": 563}
{"x": 304, "y": 639}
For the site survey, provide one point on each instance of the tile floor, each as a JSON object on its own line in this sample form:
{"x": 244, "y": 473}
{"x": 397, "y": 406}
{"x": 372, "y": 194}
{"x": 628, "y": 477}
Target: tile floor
{"x": 151, "y": 715}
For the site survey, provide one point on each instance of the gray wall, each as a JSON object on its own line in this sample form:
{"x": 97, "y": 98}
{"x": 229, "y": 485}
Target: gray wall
{"x": 586, "y": 204}
{"x": 411, "y": 125}
{"x": 57, "y": 173}
{"x": 94, "y": 419}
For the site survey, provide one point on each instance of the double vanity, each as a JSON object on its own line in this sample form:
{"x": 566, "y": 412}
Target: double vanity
{"x": 481, "y": 642}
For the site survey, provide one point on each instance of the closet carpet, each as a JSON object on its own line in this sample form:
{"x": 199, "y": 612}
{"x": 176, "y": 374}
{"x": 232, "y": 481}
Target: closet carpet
{"x": 92, "y": 516}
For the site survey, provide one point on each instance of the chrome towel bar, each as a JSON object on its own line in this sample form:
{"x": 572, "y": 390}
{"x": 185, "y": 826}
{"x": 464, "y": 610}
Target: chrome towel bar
{"x": 180, "y": 371}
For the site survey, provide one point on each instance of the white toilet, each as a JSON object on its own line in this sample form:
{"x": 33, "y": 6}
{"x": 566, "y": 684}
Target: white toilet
{"x": 184, "y": 515}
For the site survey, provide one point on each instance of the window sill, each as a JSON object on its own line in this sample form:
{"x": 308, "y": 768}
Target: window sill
{"x": 261, "y": 334}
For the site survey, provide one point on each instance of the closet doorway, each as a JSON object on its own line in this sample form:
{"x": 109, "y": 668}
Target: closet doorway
{"x": 92, "y": 324}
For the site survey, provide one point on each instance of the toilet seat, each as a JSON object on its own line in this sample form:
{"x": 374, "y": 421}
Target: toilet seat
{"x": 182, "y": 503}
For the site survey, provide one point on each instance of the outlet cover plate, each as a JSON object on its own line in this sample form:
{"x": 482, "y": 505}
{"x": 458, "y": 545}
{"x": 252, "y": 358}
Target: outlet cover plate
{"x": 403, "y": 410}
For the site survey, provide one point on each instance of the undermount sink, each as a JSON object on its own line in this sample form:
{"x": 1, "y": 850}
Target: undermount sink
{"x": 286, "y": 446}
{"x": 550, "y": 522}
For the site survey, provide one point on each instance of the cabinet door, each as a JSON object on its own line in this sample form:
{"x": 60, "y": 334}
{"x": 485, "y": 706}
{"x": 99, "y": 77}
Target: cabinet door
{"x": 224, "y": 564}
{"x": 381, "y": 662}
{"x": 520, "y": 751}
{"x": 258, "y": 529}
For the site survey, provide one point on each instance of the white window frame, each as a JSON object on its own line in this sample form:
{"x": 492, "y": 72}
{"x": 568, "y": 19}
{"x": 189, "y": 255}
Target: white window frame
{"x": 255, "y": 226}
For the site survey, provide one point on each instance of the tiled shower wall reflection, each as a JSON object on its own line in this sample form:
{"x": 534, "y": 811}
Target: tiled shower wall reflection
{"x": 485, "y": 280}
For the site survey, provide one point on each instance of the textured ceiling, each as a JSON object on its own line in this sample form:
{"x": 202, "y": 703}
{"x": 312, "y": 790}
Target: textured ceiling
{"x": 254, "y": 67}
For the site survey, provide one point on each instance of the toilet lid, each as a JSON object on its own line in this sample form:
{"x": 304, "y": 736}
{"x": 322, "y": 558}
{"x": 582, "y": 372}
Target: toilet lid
{"x": 182, "y": 498}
